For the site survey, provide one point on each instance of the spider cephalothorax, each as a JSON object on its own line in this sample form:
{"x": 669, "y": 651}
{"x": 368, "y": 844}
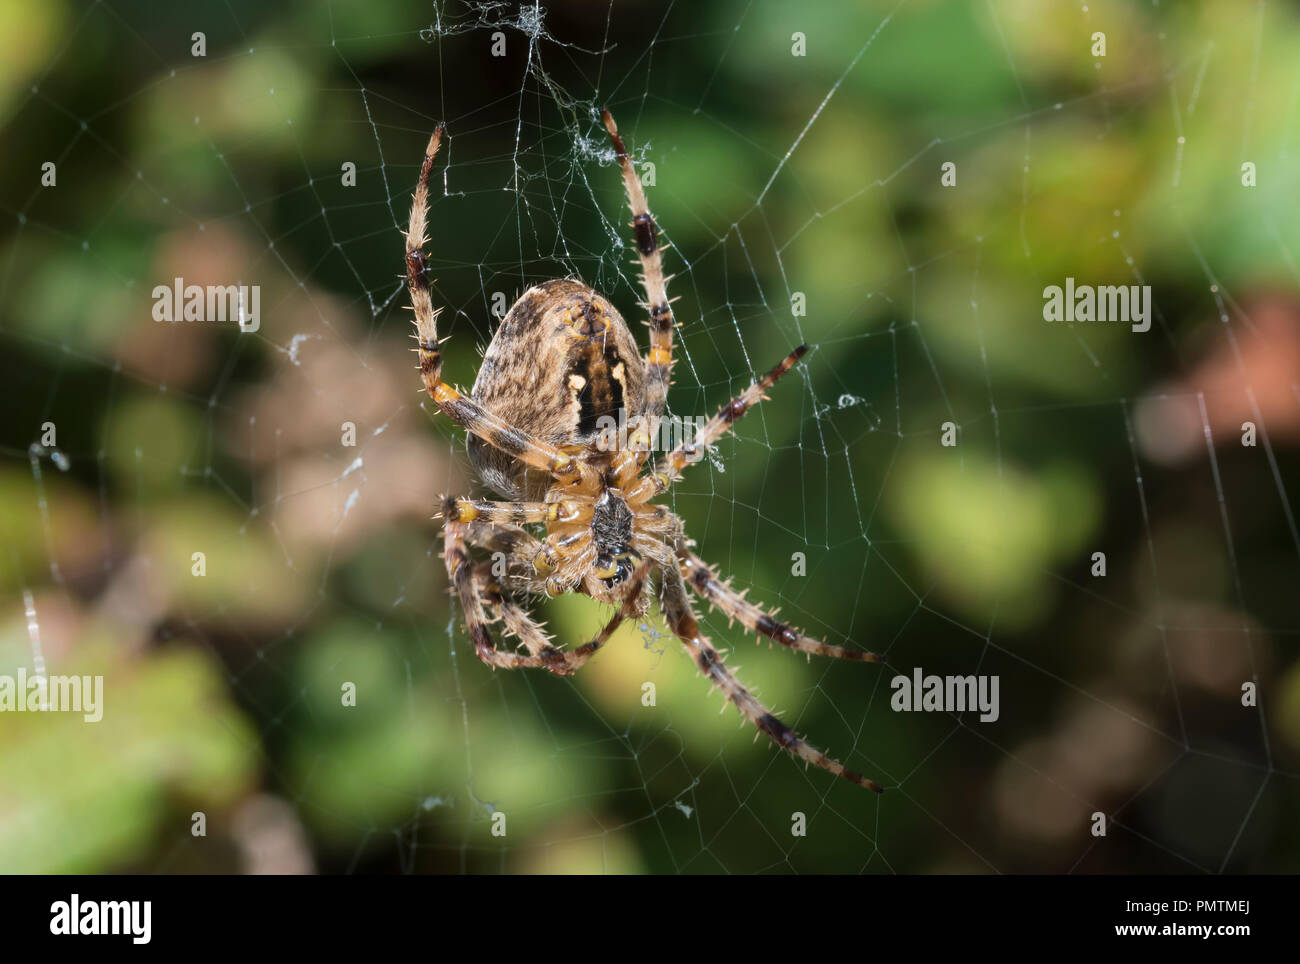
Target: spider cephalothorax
{"x": 580, "y": 515}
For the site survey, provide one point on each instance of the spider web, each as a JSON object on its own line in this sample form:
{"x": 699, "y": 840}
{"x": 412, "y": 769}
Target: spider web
{"x": 802, "y": 202}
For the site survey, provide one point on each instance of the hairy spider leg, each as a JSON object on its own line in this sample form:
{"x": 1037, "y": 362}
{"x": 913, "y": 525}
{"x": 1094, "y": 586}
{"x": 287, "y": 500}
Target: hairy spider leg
{"x": 692, "y": 450}
{"x": 476, "y": 590}
{"x": 462, "y": 509}
{"x": 701, "y": 578}
{"x": 465, "y": 411}
{"x": 659, "y": 359}
{"x": 681, "y": 618}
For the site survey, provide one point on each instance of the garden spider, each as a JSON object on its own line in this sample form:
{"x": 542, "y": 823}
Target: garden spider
{"x": 561, "y": 358}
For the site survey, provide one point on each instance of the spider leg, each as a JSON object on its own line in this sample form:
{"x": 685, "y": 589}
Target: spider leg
{"x": 555, "y": 566}
{"x": 681, "y": 618}
{"x": 519, "y": 547}
{"x": 514, "y": 617}
{"x": 465, "y": 411}
{"x": 702, "y": 579}
{"x": 460, "y": 572}
{"x": 625, "y": 611}
{"x": 672, "y": 464}
{"x": 659, "y": 360}
{"x": 500, "y": 434}
{"x": 417, "y": 269}
{"x": 461, "y": 509}
{"x": 552, "y": 567}
{"x": 476, "y": 589}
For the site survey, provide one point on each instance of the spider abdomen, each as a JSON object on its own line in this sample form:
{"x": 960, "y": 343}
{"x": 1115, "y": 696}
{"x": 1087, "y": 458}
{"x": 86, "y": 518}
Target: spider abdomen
{"x": 561, "y": 362}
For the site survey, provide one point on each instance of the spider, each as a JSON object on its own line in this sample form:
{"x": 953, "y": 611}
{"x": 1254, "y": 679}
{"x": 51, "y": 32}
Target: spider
{"x": 561, "y": 358}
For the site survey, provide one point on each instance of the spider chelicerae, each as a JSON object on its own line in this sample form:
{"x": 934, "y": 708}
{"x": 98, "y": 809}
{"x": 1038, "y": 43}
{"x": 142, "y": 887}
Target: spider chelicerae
{"x": 561, "y": 359}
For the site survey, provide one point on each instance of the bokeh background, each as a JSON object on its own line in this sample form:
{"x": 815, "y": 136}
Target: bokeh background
{"x": 776, "y": 175}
